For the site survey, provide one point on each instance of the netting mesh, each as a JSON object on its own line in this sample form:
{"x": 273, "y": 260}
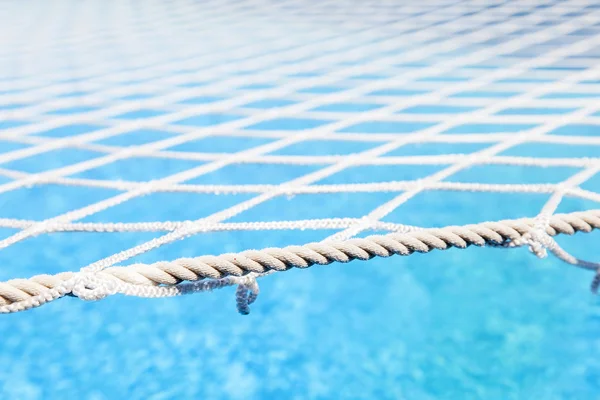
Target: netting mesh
{"x": 272, "y": 100}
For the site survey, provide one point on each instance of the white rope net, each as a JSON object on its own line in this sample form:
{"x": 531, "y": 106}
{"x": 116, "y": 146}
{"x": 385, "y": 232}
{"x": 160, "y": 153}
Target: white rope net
{"x": 128, "y": 66}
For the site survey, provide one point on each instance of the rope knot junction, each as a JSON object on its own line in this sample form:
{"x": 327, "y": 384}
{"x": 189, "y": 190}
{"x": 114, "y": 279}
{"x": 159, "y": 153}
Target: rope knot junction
{"x": 206, "y": 273}
{"x": 92, "y": 286}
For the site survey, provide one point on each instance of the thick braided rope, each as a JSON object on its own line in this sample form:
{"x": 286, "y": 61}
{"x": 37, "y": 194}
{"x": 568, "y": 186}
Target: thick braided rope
{"x": 143, "y": 280}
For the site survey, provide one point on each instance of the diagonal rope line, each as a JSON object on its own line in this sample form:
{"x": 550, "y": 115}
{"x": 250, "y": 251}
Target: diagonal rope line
{"x": 340, "y": 42}
{"x": 146, "y": 280}
{"x": 242, "y": 207}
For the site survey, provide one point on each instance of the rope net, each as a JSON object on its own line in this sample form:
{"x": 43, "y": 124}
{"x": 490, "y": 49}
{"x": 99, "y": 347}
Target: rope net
{"x": 478, "y": 79}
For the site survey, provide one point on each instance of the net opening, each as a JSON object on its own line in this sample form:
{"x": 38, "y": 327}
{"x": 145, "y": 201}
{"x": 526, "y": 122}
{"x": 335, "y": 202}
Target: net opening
{"x": 417, "y": 117}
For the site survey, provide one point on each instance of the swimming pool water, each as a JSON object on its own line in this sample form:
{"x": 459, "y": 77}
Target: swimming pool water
{"x": 480, "y": 323}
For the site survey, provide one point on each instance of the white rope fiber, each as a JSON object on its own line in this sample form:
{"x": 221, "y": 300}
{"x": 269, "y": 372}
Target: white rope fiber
{"x": 120, "y": 49}
{"x": 164, "y": 279}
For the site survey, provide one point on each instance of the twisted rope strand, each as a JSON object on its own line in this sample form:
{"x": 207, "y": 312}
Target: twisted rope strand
{"x": 165, "y": 278}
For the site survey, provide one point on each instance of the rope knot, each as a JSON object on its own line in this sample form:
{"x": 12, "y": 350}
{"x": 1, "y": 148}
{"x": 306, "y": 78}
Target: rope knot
{"x": 539, "y": 241}
{"x": 91, "y": 287}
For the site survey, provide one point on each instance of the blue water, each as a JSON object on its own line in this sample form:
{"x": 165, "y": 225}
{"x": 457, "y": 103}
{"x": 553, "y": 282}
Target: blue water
{"x": 480, "y": 323}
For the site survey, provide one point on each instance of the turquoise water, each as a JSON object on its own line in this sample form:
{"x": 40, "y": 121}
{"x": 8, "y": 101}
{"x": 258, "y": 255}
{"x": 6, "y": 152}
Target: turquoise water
{"x": 480, "y": 323}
